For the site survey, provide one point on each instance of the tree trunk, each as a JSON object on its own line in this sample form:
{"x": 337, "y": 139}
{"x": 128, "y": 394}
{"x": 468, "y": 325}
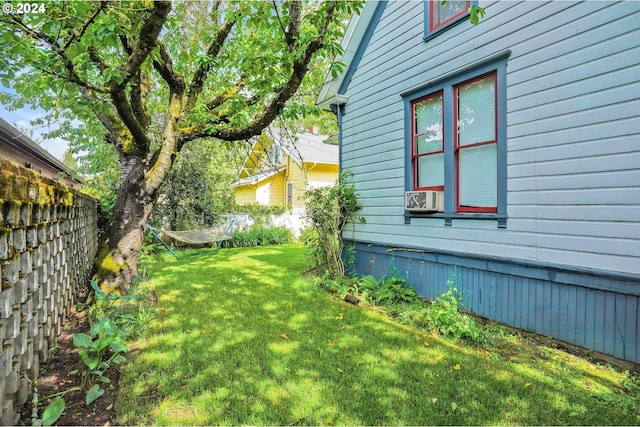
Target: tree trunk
{"x": 117, "y": 258}
{"x": 140, "y": 180}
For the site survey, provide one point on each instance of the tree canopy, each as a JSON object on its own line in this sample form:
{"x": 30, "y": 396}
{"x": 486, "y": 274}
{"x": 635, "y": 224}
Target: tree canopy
{"x": 148, "y": 77}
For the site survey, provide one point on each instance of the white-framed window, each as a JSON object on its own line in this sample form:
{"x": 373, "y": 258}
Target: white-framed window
{"x": 289, "y": 194}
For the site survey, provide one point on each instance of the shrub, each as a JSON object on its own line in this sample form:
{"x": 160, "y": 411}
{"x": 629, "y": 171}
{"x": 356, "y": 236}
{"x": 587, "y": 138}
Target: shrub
{"x": 259, "y": 236}
{"x": 386, "y": 291}
{"x": 329, "y": 209}
{"x": 444, "y": 317}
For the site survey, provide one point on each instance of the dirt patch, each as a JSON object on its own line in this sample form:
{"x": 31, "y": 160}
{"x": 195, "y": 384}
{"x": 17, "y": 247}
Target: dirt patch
{"x": 62, "y": 372}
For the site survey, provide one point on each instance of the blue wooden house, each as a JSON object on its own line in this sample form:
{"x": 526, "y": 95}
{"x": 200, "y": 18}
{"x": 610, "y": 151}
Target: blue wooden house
{"x": 503, "y": 157}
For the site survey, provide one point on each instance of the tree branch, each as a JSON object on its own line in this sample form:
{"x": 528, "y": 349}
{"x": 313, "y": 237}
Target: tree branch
{"x": 146, "y": 42}
{"x": 292, "y": 32}
{"x": 222, "y": 98}
{"x": 300, "y": 67}
{"x": 140, "y": 143}
{"x": 108, "y": 122}
{"x": 140, "y": 87}
{"x": 166, "y": 70}
{"x": 78, "y": 35}
{"x": 95, "y": 58}
{"x": 73, "y": 77}
{"x": 195, "y": 88}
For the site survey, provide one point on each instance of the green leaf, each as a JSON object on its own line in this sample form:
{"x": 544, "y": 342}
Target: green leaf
{"x": 118, "y": 359}
{"x": 93, "y": 393}
{"x": 99, "y": 294}
{"x": 82, "y": 340}
{"x": 102, "y": 343}
{"x": 53, "y": 411}
{"x": 119, "y": 347}
{"x": 91, "y": 361}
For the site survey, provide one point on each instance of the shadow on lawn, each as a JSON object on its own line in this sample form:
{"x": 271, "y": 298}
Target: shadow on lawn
{"x": 242, "y": 340}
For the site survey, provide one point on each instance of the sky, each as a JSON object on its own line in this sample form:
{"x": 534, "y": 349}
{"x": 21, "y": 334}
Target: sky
{"x": 22, "y": 118}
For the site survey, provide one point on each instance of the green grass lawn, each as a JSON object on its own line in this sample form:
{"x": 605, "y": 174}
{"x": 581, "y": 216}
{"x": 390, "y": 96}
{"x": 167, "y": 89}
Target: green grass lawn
{"x": 241, "y": 338}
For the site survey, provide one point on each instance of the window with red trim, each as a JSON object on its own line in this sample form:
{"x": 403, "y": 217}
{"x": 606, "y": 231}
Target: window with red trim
{"x": 442, "y": 14}
{"x": 455, "y": 129}
{"x": 428, "y": 142}
{"x": 476, "y": 144}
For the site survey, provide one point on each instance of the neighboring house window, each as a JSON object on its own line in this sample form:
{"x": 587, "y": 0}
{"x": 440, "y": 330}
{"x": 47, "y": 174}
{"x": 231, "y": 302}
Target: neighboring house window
{"x": 275, "y": 155}
{"x": 456, "y": 131}
{"x": 289, "y": 195}
{"x": 440, "y": 16}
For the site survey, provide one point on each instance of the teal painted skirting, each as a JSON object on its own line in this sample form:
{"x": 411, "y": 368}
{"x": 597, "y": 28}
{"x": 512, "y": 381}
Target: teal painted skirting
{"x": 594, "y": 309}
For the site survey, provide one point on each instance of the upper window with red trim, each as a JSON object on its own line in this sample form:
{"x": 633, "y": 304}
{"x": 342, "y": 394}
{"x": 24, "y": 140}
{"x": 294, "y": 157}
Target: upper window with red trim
{"x": 439, "y": 15}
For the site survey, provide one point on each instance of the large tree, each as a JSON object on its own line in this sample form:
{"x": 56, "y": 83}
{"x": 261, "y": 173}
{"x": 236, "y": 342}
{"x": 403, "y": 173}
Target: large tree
{"x": 156, "y": 75}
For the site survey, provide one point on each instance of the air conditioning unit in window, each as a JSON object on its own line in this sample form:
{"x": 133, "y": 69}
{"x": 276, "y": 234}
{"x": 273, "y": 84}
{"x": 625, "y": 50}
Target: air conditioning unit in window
{"x": 424, "y": 201}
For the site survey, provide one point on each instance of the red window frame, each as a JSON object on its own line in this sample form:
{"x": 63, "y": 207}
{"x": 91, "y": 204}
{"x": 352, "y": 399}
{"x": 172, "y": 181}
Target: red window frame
{"x": 432, "y": 27}
{"x": 458, "y": 148}
{"x": 414, "y": 140}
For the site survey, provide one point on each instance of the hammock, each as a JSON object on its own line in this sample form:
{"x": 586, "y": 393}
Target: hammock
{"x": 193, "y": 237}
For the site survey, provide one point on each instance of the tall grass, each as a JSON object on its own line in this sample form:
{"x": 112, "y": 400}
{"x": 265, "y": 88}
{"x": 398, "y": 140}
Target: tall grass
{"x": 241, "y": 338}
{"x": 259, "y": 236}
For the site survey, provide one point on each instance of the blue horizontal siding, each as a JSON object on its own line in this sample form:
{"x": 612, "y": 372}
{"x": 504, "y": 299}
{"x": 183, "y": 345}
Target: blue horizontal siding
{"x": 594, "y": 309}
{"x": 572, "y": 139}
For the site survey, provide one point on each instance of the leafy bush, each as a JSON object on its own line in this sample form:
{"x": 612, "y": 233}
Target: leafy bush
{"x": 444, "y": 317}
{"x": 259, "y": 236}
{"x": 386, "y": 291}
{"x": 329, "y": 209}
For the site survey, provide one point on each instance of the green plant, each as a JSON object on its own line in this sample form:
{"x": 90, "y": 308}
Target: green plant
{"x": 103, "y": 347}
{"x": 54, "y": 409}
{"x": 51, "y": 413}
{"x": 339, "y": 286}
{"x": 259, "y": 236}
{"x": 329, "y": 209}
{"x": 109, "y": 306}
{"x": 444, "y": 317}
{"x": 388, "y": 290}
